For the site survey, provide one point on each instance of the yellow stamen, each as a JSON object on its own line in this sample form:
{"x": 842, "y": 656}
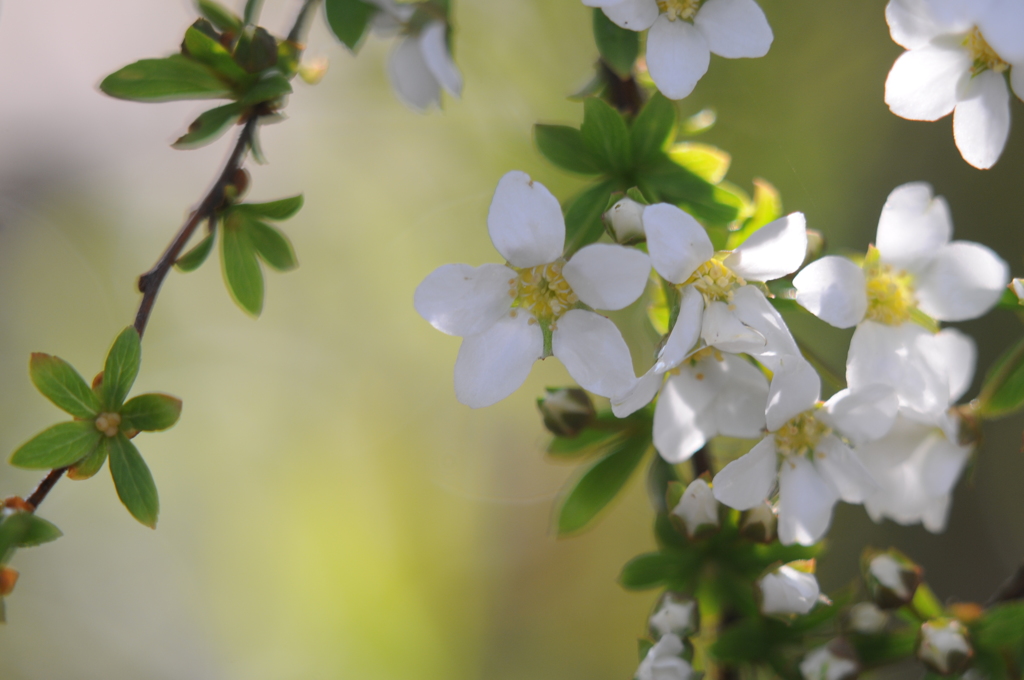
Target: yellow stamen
{"x": 543, "y": 291}
{"x": 679, "y": 9}
{"x": 984, "y": 58}
{"x": 800, "y": 435}
{"x": 890, "y": 291}
{"x": 715, "y": 281}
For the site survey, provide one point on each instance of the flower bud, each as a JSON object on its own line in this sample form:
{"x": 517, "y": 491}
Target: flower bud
{"x": 675, "y": 614}
{"x": 8, "y": 577}
{"x": 758, "y": 523}
{"x": 790, "y": 589}
{"x": 697, "y": 509}
{"x": 835, "y": 661}
{"x": 867, "y": 618}
{"x": 943, "y": 646}
{"x": 892, "y": 579}
{"x": 1017, "y": 286}
{"x": 567, "y": 411}
{"x": 664, "y": 663}
{"x": 815, "y": 245}
{"x": 625, "y": 220}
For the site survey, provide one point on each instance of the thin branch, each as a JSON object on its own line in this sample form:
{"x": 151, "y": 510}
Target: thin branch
{"x": 623, "y": 93}
{"x": 1011, "y": 589}
{"x": 297, "y": 34}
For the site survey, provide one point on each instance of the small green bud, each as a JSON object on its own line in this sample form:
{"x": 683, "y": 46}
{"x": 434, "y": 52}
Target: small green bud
{"x": 891, "y": 577}
{"x": 567, "y": 411}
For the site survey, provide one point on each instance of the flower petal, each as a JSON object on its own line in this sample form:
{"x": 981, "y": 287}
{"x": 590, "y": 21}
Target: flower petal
{"x": 936, "y": 513}
{"x": 525, "y": 221}
{"x": 754, "y": 310}
{"x": 963, "y": 281}
{"x": 795, "y": 388}
{"x": 1017, "y": 79}
{"x": 608, "y": 276}
{"x": 953, "y": 355}
{"x": 723, "y": 330}
{"x": 677, "y": 57}
{"x": 636, "y": 15}
{"x": 740, "y": 404}
{"x": 734, "y": 28}
{"x": 892, "y": 355}
{"x": 805, "y": 502}
{"x": 922, "y": 84}
{"x": 912, "y": 24}
{"x": 943, "y": 465}
{"x": 676, "y": 242}
{"x": 493, "y": 364}
{"x": 749, "y": 479}
{"x": 685, "y": 332}
{"x": 838, "y": 465}
{"x": 981, "y": 120}
{"x": 434, "y": 45}
{"x": 594, "y": 353}
{"x": 680, "y": 424}
{"x": 864, "y": 415}
{"x": 458, "y": 299}
{"x": 638, "y": 395}
{"x": 773, "y": 251}
{"x": 411, "y": 80}
{"x": 1002, "y": 24}
{"x": 913, "y": 226}
{"x": 834, "y": 290}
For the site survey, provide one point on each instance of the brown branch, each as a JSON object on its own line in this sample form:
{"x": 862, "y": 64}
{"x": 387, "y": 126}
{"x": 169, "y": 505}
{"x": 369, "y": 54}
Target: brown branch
{"x": 623, "y": 93}
{"x": 1011, "y": 589}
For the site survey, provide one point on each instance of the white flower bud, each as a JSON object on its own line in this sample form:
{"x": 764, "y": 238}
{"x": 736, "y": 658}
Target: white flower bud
{"x": 664, "y": 663}
{"x": 625, "y": 219}
{"x": 789, "y": 590}
{"x": 834, "y": 661}
{"x": 943, "y": 646}
{"x": 892, "y": 579}
{"x": 566, "y": 411}
{"x": 758, "y": 523}
{"x": 698, "y": 508}
{"x": 675, "y": 615}
{"x": 867, "y": 618}
{"x": 1017, "y": 286}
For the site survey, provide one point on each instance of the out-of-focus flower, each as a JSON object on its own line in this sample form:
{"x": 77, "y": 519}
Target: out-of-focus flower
{"x": 502, "y": 311}
{"x": 835, "y": 661}
{"x": 758, "y": 523}
{"x": 684, "y": 33}
{"x": 567, "y": 411}
{"x": 789, "y": 589}
{"x": 891, "y": 578}
{"x": 867, "y": 618}
{"x": 663, "y": 661}
{"x": 675, "y": 614}
{"x": 697, "y": 509}
{"x": 944, "y": 646}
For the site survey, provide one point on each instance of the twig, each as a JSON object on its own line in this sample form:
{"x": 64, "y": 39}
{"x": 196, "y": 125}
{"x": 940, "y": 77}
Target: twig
{"x": 1011, "y": 589}
{"x": 623, "y": 93}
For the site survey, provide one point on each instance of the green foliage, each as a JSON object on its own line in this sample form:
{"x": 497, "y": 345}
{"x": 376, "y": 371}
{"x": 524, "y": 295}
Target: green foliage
{"x": 279, "y": 210}
{"x": 1001, "y": 629}
{"x": 251, "y": 11}
{"x": 150, "y": 412}
{"x": 652, "y": 129}
{"x": 121, "y": 368}
{"x": 206, "y": 49}
{"x": 58, "y": 446}
{"x": 241, "y": 269}
{"x": 133, "y": 481}
{"x": 564, "y": 146}
{"x": 1002, "y": 392}
{"x": 256, "y": 50}
{"x": 272, "y": 246}
{"x": 23, "y": 530}
{"x": 703, "y": 160}
{"x": 767, "y": 207}
{"x": 349, "y": 20}
{"x": 604, "y": 131}
{"x": 92, "y": 463}
{"x": 161, "y": 80}
{"x": 220, "y": 16}
{"x": 584, "y": 444}
{"x": 59, "y": 382}
{"x": 209, "y": 126}
{"x": 674, "y": 569}
{"x": 192, "y": 260}
{"x": 269, "y": 88}
{"x": 583, "y": 223}
{"x": 619, "y": 47}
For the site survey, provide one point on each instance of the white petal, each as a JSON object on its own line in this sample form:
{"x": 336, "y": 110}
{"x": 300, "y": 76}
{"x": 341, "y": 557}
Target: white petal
{"x": 805, "y": 502}
{"x": 834, "y": 290}
{"x": 749, "y": 479}
{"x": 723, "y": 330}
{"x": 838, "y": 465}
{"x": 676, "y": 242}
{"x": 412, "y": 81}
{"x": 795, "y": 388}
{"x": 458, "y": 299}
{"x": 754, "y": 310}
{"x": 433, "y": 43}
{"x": 636, "y": 15}
{"x": 677, "y": 57}
{"x": 962, "y": 282}
{"x": 773, "y": 251}
{"x": 1003, "y": 27}
{"x": 685, "y": 332}
{"x": 981, "y": 120}
{"x": 954, "y": 355}
{"x": 911, "y": 23}
{"x": 594, "y": 353}
{"x": 788, "y": 591}
{"x": 493, "y": 364}
{"x": 864, "y": 415}
{"x": 638, "y": 395}
{"x": 525, "y": 221}
{"x": 1017, "y": 79}
{"x": 913, "y": 226}
{"x": 891, "y": 355}
{"x": 740, "y": 404}
{"x": 680, "y": 424}
{"x": 936, "y": 514}
{"x": 601, "y": 3}
{"x": 943, "y": 465}
{"x": 608, "y": 276}
{"x": 922, "y": 84}
{"x": 734, "y": 28}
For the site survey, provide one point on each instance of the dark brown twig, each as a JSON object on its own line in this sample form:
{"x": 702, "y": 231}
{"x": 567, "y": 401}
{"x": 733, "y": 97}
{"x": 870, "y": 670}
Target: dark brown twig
{"x": 1011, "y": 589}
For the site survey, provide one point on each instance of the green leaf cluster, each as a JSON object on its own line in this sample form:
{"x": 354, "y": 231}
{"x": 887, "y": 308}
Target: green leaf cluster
{"x": 104, "y": 424}
{"x": 21, "y": 529}
{"x": 245, "y": 240}
{"x": 1002, "y": 392}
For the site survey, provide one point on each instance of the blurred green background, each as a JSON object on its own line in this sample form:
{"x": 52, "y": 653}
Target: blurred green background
{"x": 328, "y": 509}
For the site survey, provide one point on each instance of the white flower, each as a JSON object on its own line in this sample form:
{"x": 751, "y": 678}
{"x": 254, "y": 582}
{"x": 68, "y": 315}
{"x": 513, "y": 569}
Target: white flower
{"x": 913, "y": 269}
{"x": 684, "y": 33}
{"x": 867, "y": 618}
{"x": 698, "y": 508}
{"x": 421, "y": 64}
{"x": 824, "y": 664}
{"x": 675, "y": 615}
{"x": 790, "y": 589}
{"x": 814, "y": 467}
{"x": 663, "y": 661}
{"x": 501, "y": 311}
{"x": 943, "y": 646}
{"x": 957, "y": 54}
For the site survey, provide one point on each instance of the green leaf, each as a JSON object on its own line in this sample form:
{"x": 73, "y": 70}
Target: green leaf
{"x": 12, "y": 531}
{"x": 267, "y": 89}
{"x": 767, "y": 208}
{"x": 583, "y": 223}
{"x": 600, "y": 483}
{"x": 191, "y": 260}
{"x": 619, "y": 47}
{"x": 672, "y": 183}
{"x": 150, "y": 412}
{"x": 876, "y": 650}
{"x": 564, "y": 146}
{"x": 60, "y": 383}
{"x": 251, "y": 11}
{"x": 651, "y": 570}
{"x": 1002, "y": 627}
{"x": 220, "y": 16}
{"x": 209, "y": 126}
{"x": 206, "y": 49}
{"x": 58, "y": 446}
{"x": 605, "y": 132}
{"x": 241, "y": 269}
{"x": 37, "y": 530}
{"x": 121, "y": 369}
{"x": 586, "y": 442}
{"x": 271, "y": 245}
{"x": 1002, "y": 393}
{"x": 349, "y": 20}
{"x": 133, "y": 481}
{"x": 91, "y": 464}
{"x": 703, "y": 160}
{"x": 278, "y": 211}
{"x": 256, "y": 50}
{"x": 652, "y": 129}
{"x": 161, "y": 80}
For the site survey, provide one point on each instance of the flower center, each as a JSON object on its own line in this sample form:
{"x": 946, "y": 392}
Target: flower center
{"x": 982, "y": 54}
{"x": 108, "y": 423}
{"x": 800, "y": 435}
{"x": 890, "y": 291}
{"x": 715, "y": 281}
{"x": 542, "y": 291}
{"x": 679, "y": 9}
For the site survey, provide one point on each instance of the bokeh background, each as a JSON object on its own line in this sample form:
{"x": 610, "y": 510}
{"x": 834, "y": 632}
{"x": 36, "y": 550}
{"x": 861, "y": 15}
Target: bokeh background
{"x": 328, "y": 509}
